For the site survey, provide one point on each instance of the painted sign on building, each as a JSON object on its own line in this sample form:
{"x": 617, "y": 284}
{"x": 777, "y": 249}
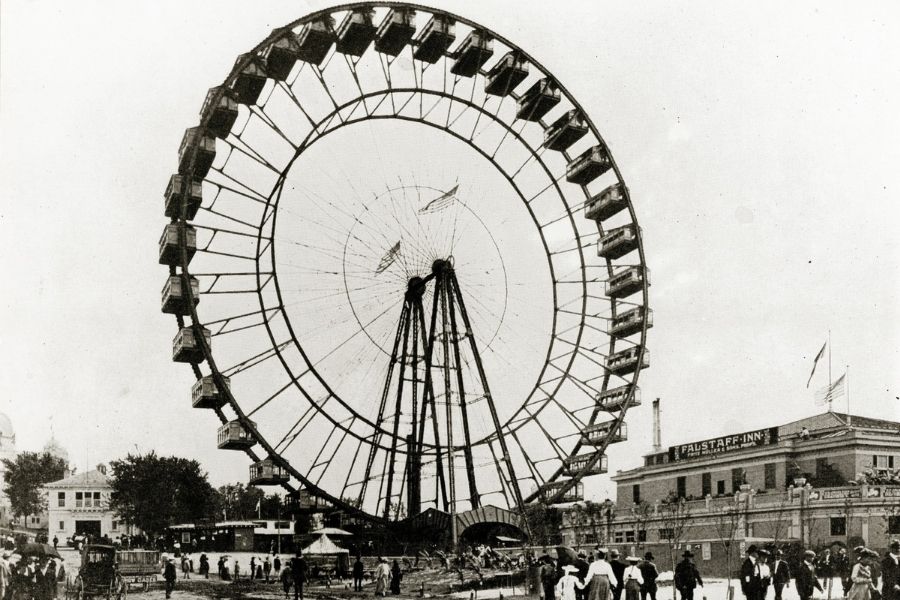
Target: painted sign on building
{"x": 725, "y": 443}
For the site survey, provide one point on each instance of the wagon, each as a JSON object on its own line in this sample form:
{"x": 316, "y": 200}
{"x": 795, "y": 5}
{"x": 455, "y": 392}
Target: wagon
{"x": 138, "y": 567}
{"x": 98, "y": 575}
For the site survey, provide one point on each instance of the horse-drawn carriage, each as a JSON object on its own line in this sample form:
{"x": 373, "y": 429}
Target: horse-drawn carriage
{"x": 107, "y": 572}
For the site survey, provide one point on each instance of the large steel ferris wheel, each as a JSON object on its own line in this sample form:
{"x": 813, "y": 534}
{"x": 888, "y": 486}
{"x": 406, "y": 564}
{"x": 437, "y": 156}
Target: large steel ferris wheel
{"x": 406, "y": 270}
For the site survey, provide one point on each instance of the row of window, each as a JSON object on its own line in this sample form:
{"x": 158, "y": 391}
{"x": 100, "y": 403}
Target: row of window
{"x": 883, "y": 461}
{"x": 114, "y": 526}
{"x": 82, "y": 500}
{"x": 738, "y": 478}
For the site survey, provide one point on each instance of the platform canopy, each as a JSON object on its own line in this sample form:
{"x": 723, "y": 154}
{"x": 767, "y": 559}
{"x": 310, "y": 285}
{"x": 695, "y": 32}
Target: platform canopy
{"x": 323, "y": 546}
{"x": 330, "y": 531}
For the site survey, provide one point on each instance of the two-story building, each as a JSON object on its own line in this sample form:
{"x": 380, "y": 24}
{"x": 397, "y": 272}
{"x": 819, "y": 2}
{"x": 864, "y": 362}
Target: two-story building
{"x": 79, "y": 504}
{"x": 826, "y": 480}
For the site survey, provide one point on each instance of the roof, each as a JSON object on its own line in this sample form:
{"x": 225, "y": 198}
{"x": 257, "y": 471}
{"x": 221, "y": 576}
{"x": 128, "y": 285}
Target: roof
{"x": 88, "y": 479}
{"x": 323, "y": 545}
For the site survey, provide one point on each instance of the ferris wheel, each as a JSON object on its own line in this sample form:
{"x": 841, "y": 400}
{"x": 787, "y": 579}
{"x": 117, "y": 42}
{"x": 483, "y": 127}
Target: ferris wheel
{"x": 405, "y": 268}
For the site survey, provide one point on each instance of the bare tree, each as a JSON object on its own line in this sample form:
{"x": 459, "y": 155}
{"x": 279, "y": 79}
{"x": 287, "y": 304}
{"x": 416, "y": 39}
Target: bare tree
{"x": 674, "y": 514}
{"x": 643, "y": 514}
{"x": 727, "y": 519}
{"x": 780, "y": 521}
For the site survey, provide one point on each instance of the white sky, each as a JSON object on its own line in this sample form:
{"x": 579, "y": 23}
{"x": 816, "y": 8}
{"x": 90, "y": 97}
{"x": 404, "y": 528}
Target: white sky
{"x": 760, "y": 142}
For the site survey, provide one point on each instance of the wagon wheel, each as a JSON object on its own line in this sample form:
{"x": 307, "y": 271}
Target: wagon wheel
{"x": 119, "y": 588}
{"x": 76, "y": 589}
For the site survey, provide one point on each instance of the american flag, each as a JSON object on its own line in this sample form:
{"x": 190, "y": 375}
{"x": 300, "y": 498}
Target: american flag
{"x": 830, "y": 392}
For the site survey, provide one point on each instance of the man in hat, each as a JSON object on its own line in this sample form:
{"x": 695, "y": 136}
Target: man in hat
{"x": 298, "y": 571}
{"x": 890, "y": 572}
{"x": 170, "y": 575}
{"x": 581, "y": 592}
{"x": 751, "y": 578}
{"x": 806, "y": 579}
{"x": 650, "y": 574}
{"x": 687, "y": 577}
{"x": 781, "y": 574}
{"x": 618, "y": 568}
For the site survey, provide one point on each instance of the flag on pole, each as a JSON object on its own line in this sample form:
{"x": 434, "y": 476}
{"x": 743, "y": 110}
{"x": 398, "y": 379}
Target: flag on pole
{"x": 830, "y": 392}
{"x": 258, "y": 508}
{"x": 815, "y": 362}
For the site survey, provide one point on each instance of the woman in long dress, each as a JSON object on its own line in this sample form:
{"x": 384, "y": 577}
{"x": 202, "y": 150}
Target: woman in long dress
{"x": 600, "y": 577}
{"x": 861, "y": 576}
{"x": 382, "y": 572}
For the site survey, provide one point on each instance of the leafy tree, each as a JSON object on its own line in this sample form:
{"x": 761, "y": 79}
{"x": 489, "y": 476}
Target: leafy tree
{"x": 236, "y": 501}
{"x": 544, "y": 523}
{"x": 26, "y": 475}
{"x": 153, "y": 492}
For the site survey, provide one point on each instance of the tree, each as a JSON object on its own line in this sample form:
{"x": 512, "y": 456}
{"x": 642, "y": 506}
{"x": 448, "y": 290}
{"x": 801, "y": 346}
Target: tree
{"x": 727, "y": 519}
{"x": 154, "y": 492}
{"x": 674, "y": 514}
{"x": 25, "y": 477}
{"x": 544, "y": 522}
{"x": 643, "y": 514}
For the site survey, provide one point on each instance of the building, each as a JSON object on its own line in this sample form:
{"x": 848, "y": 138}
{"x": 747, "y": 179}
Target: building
{"x": 261, "y": 535}
{"x": 827, "y": 480}
{"x": 7, "y": 451}
{"x": 79, "y": 504}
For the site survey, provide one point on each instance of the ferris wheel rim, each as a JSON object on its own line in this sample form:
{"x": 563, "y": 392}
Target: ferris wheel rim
{"x": 329, "y": 11}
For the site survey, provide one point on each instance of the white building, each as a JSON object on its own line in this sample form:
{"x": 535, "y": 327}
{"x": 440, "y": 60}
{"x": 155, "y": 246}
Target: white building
{"x": 79, "y": 504}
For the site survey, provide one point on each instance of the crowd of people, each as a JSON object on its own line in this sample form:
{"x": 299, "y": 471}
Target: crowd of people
{"x": 29, "y": 578}
{"x": 599, "y": 576}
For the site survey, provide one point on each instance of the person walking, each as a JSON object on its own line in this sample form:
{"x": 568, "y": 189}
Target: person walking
{"x": 382, "y": 572}
{"x": 5, "y": 574}
{"x": 650, "y": 574}
{"x": 267, "y": 568}
{"x": 568, "y": 585}
{"x": 358, "y": 572}
{"x": 185, "y": 567}
{"x": 548, "y": 577}
{"x": 396, "y": 577}
{"x": 55, "y": 542}
{"x": 276, "y": 562}
{"x": 170, "y": 575}
{"x": 600, "y": 577}
{"x": 861, "y": 576}
{"x": 287, "y": 579}
{"x": 618, "y": 568}
{"x": 687, "y": 577}
{"x": 806, "y": 579}
{"x": 890, "y": 572}
{"x": 781, "y": 574}
{"x": 765, "y": 573}
{"x": 634, "y": 579}
{"x": 237, "y": 570}
{"x": 252, "y": 567}
{"x": 298, "y": 574}
{"x": 751, "y": 580}
{"x": 204, "y": 566}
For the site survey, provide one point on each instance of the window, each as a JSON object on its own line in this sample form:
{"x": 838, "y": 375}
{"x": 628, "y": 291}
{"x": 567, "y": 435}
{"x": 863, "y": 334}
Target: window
{"x": 821, "y": 466}
{"x": 666, "y": 533}
{"x": 706, "y": 485}
{"x": 770, "y": 476}
{"x": 681, "y": 485}
{"x": 78, "y": 499}
{"x": 619, "y": 537}
{"x": 894, "y": 524}
{"x": 737, "y": 479}
{"x": 629, "y": 535}
{"x": 96, "y": 499}
{"x": 838, "y": 525}
{"x": 61, "y": 499}
{"x": 720, "y": 487}
{"x": 62, "y": 525}
{"x": 115, "y": 525}
{"x": 636, "y": 493}
{"x": 642, "y": 535}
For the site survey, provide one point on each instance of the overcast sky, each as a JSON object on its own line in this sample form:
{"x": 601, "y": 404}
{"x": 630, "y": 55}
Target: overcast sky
{"x": 760, "y": 142}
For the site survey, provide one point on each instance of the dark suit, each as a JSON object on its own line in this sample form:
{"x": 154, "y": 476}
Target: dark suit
{"x": 781, "y": 576}
{"x": 890, "y": 577}
{"x": 686, "y": 579}
{"x": 650, "y": 575}
{"x": 806, "y": 581}
{"x": 618, "y": 569}
{"x": 298, "y": 571}
{"x": 751, "y": 582}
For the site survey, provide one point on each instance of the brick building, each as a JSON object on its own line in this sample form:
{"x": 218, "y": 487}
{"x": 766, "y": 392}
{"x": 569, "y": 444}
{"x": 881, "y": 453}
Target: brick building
{"x": 825, "y": 480}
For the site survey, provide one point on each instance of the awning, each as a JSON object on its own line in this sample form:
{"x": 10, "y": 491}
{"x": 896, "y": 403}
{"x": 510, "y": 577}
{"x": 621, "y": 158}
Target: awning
{"x": 330, "y": 531}
{"x": 503, "y": 538}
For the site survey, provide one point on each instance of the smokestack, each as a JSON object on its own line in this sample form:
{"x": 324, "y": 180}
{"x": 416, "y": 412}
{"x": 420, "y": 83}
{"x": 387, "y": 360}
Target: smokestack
{"x": 657, "y": 434}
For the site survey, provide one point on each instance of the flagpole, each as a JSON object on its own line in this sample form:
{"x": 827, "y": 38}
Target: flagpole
{"x": 847, "y": 374}
{"x": 829, "y": 367}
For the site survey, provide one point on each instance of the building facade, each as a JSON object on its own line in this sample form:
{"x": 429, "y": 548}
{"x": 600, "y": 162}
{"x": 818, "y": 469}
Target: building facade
{"x": 828, "y": 480}
{"x": 79, "y": 505}
{"x": 7, "y": 451}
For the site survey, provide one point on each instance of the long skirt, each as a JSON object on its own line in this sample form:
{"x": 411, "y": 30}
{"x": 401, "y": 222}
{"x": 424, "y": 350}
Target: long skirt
{"x": 599, "y": 588}
{"x": 632, "y": 590}
{"x": 860, "y": 591}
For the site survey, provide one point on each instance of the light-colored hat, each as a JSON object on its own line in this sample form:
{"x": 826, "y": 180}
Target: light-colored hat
{"x": 570, "y": 569}
{"x": 7, "y": 554}
{"x": 633, "y": 559}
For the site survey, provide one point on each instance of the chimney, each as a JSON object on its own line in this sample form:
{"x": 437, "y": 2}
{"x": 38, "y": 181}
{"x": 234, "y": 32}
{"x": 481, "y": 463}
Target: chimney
{"x": 657, "y": 435}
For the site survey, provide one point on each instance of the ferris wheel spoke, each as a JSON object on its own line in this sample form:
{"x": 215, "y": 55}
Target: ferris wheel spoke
{"x": 290, "y": 94}
{"x": 532, "y": 467}
{"x": 233, "y": 320}
{"x": 237, "y": 144}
